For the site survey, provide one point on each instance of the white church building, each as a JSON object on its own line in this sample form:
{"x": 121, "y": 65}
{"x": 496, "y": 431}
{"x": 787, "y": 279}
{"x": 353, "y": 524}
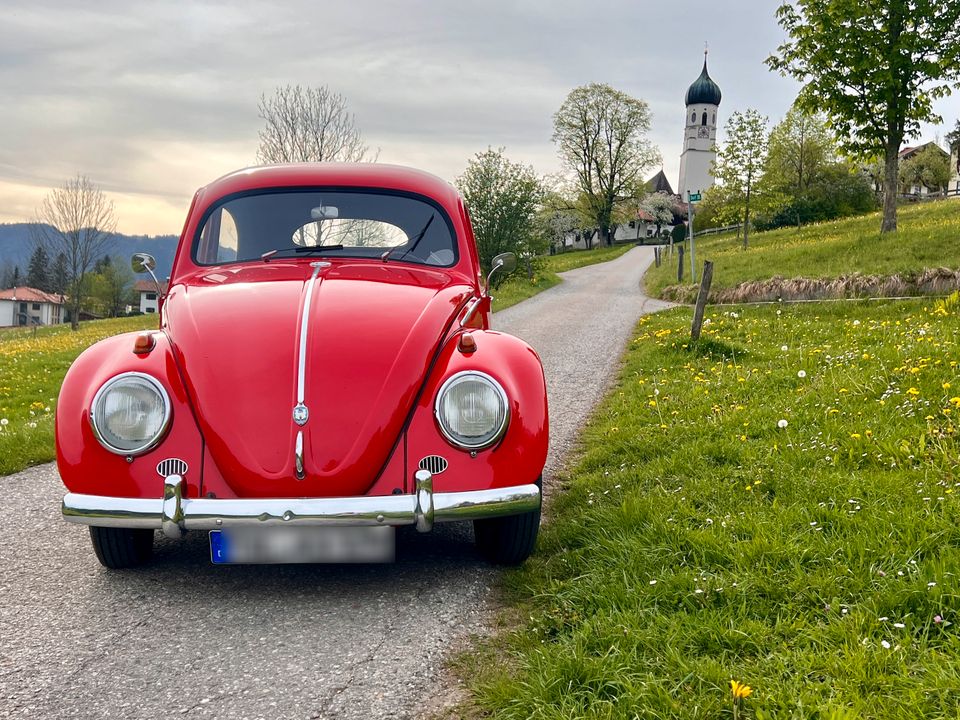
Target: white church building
{"x": 699, "y": 135}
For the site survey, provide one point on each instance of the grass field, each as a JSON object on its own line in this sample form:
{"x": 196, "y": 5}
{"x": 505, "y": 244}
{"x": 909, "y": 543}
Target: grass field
{"x": 776, "y": 506}
{"x": 520, "y": 288}
{"x": 928, "y": 237}
{"x": 31, "y": 370}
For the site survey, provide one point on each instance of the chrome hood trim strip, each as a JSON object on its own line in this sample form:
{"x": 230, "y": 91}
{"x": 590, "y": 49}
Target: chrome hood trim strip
{"x": 304, "y": 324}
{"x": 301, "y": 414}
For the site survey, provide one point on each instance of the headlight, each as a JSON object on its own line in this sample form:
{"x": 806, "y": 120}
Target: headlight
{"x": 130, "y": 413}
{"x": 472, "y": 410}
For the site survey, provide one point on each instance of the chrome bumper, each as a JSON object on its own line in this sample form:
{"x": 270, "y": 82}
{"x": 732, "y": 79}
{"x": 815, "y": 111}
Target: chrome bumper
{"x": 174, "y": 513}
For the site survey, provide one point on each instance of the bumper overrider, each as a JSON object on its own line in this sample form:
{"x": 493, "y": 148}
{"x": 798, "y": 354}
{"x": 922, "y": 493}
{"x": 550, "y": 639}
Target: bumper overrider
{"x": 174, "y": 513}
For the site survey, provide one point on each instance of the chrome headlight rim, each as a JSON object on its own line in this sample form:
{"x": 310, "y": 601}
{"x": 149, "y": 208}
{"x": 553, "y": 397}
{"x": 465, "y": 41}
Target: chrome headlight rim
{"x": 438, "y": 413}
{"x": 164, "y": 424}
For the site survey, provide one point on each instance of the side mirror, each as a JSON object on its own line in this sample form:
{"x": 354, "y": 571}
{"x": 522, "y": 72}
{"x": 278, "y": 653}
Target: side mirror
{"x": 143, "y": 262}
{"x": 505, "y": 263}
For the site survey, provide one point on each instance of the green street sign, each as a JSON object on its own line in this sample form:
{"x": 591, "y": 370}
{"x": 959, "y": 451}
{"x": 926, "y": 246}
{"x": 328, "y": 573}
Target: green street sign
{"x": 694, "y": 197}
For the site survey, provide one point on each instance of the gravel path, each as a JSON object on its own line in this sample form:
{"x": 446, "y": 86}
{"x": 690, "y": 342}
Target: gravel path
{"x": 182, "y": 638}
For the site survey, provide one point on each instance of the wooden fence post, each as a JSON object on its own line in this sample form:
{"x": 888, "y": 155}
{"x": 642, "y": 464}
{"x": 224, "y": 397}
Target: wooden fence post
{"x": 656, "y": 256}
{"x": 701, "y": 300}
{"x": 680, "y": 264}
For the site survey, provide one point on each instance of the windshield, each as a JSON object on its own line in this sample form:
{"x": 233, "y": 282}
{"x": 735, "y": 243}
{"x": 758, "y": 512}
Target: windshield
{"x": 336, "y": 223}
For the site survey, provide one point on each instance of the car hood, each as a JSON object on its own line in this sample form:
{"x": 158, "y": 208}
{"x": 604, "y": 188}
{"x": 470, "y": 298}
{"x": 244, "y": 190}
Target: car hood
{"x": 371, "y": 332}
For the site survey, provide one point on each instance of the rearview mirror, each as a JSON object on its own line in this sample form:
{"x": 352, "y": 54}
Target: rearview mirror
{"x": 143, "y": 262}
{"x": 325, "y": 212}
{"x": 504, "y": 263}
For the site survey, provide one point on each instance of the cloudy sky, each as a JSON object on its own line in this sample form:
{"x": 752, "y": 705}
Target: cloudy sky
{"x": 153, "y": 100}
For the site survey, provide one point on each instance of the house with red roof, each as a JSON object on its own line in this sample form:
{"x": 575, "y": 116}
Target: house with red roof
{"x": 26, "y": 306}
{"x": 147, "y": 291}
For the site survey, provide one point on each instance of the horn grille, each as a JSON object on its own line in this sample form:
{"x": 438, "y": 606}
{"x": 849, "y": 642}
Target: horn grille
{"x": 434, "y": 464}
{"x": 171, "y": 466}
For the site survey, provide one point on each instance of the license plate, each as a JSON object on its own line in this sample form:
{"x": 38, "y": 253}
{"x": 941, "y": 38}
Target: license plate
{"x": 259, "y": 545}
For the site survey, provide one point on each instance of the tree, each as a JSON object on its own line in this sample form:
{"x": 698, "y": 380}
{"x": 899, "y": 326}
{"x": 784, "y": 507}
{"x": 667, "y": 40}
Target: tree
{"x": 929, "y": 167}
{"x": 739, "y": 165}
{"x": 59, "y": 275}
{"x": 601, "y": 138}
{"x": 660, "y": 207}
{"x": 800, "y": 145}
{"x": 110, "y": 287}
{"x": 953, "y": 137}
{"x": 502, "y": 198}
{"x": 76, "y": 220}
{"x": 875, "y": 67}
{"x": 305, "y": 124}
{"x": 37, "y": 271}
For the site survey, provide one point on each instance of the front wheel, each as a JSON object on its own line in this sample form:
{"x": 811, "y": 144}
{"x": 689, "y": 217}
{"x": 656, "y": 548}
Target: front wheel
{"x": 508, "y": 540}
{"x": 121, "y": 547}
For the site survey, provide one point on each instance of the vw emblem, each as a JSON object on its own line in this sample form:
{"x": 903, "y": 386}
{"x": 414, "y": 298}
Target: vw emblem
{"x": 301, "y": 414}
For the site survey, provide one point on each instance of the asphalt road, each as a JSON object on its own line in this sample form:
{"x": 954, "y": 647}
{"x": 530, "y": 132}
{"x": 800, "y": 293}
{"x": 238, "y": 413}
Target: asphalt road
{"x": 183, "y": 638}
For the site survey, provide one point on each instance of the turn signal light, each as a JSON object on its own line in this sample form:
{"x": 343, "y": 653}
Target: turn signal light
{"x": 467, "y": 344}
{"x": 144, "y": 343}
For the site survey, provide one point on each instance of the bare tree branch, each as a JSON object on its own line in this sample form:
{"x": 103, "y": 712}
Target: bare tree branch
{"x": 304, "y": 124}
{"x": 77, "y": 220}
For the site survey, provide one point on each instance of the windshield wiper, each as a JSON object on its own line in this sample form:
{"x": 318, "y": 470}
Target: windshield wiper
{"x": 307, "y": 249}
{"x": 412, "y": 247}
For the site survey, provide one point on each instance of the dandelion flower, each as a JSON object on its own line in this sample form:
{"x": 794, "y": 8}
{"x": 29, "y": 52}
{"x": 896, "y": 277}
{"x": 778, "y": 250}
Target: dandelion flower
{"x": 782, "y": 423}
{"x": 801, "y": 373}
{"x": 4, "y": 421}
{"x": 740, "y": 690}
{"x": 783, "y": 348}
{"x": 913, "y": 392}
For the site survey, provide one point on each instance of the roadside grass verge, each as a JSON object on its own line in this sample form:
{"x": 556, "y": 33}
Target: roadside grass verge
{"x": 31, "y": 372}
{"x": 928, "y": 237}
{"x": 776, "y": 505}
{"x": 519, "y": 287}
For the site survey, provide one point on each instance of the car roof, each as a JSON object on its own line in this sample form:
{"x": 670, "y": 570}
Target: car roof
{"x": 373, "y": 175}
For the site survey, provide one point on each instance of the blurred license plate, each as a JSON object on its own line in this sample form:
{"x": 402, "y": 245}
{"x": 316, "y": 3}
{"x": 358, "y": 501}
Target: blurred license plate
{"x": 332, "y": 544}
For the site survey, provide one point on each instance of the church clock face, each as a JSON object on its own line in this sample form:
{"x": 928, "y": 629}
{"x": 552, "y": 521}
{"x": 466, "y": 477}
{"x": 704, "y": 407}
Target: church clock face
{"x": 703, "y": 132}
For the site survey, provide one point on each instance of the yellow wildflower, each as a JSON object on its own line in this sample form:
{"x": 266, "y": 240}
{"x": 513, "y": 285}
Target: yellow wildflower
{"x": 740, "y": 690}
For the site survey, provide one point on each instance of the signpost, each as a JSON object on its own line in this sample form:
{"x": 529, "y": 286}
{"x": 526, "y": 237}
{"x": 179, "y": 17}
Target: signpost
{"x": 691, "y": 199}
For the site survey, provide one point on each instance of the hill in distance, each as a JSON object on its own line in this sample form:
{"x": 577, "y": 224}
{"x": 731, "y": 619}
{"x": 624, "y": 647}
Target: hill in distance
{"x": 16, "y": 246}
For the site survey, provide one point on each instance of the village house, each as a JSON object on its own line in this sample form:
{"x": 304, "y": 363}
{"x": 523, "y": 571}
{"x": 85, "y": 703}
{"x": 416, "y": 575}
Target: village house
{"x": 922, "y": 190}
{"x": 25, "y": 306}
{"x": 147, "y": 291}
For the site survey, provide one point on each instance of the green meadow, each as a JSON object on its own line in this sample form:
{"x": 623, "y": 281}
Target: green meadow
{"x": 774, "y": 506}
{"x": 928, "y": 237}
{"x": 32, "y": 366}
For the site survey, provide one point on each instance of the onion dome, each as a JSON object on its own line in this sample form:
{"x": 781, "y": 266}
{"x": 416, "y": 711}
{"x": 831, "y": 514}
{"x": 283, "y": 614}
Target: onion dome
{"x": 704, "y": 91}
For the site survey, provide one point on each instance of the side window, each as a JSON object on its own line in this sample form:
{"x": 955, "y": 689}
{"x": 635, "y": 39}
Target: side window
{"x": 218, "y": 239}
{"x": 693, "y": 117}
{"x": 703, "y": 121}
{"x": 714, "y": 120}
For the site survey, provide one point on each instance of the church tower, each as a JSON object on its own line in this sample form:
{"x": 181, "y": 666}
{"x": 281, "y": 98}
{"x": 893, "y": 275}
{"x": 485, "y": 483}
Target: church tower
{"x": 700, "y": 134}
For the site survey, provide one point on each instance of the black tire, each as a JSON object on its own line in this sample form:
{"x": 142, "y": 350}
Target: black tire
{"x": 508, "y": 540}
{"x": 121, "y": 547}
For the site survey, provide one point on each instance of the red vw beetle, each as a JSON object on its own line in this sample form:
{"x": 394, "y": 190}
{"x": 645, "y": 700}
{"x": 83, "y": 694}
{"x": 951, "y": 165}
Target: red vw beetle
{"x": 323, "y": 372}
